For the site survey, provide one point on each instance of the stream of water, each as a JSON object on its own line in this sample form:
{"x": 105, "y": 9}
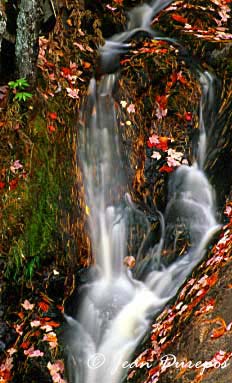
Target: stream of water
{"x": 118, "y": 304}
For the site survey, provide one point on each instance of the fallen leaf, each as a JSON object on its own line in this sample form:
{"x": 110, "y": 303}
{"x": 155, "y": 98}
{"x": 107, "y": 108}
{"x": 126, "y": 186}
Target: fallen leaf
{"x": 131, "y": 108}
{"x": 166, "y": 169}
{"x": 73, "y": 93}
{"x": 25, "y": 345}
{"x": 129, "y": 261}
{"x": 86, "y": 64}
{"x": 179, "y": 18}
{"x": 188, "y": 116}
{"x": 43, "y": 306}
{"x": 32, "y": 353}
{"x": 52, "y": 115}
{"x": 27, "y": 305}
{"x": 156, "y": 156}
{"x": 13, "y": 184}
{"x": 51, "y": 128}
{"x": 123, "y": 103}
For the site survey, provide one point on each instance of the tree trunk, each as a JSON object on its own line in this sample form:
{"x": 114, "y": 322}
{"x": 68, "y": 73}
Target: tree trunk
{"x": 2, "y": 24}
{"x": 28, "y": 26}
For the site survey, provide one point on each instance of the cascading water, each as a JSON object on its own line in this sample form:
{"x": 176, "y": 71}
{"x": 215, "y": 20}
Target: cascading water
{"x": 115, "y": 311}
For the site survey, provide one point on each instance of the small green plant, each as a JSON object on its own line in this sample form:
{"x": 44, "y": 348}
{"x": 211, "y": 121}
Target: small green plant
{"x": 18, "y": 88}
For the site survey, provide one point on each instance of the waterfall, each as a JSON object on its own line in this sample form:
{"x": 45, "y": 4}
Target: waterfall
{"x": 115, "y": 311}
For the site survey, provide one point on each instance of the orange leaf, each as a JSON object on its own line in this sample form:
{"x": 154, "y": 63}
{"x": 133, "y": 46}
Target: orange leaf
{"x": 86, "y": 64}
{"x": 43, "y": 306}
{"x": 212, "y": 279}
{"x": 179, "y": 18}
{"x": 61, "y": 308}
{"x": 21, "y": 315}
{"x": 217, "y": 332}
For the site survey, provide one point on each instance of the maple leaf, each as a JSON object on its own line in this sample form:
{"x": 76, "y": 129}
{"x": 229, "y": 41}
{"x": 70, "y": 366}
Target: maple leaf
{"x": 52, "y": 115}
{"x": 16, "y": 166}
{"x": 162, "y": 101}
{"x": 172, "y": 162}
{"x": 32, "y": 353}
{"x": 179, "y": 18}
{"x": 73, "y": 93}
{"x": 13, "y": 184}
{"x": 25, "y": 345}
{"x": 35, "y": 323}
{"x": 181, "y": 78}
{"x": 51, "y": 128}
{"x": 123, "y": 103}
{"x": 228, "y": 211}
{"x": 27, "y": 305}
{"x": 51, "y": 339}
{"x": 43, "y": 306}
{"x": 129, "y": 261}
{"x": 156, "y": 156}
{"x": 166, "y": 169}
{"x": 163, "y": 145}
{"x": 47, "y": 328}
{"x": 11, "y": 351}
{"x": 175, "y": 155}
{"x": 154, "y": 139}
{"x": 65, "y": 71}
{"x": 160, "y": 113}
{"x": 55, "y": 370}
{"x": 131, "y": 108}
{"x": 86, "y": 64}
{"x": 188, "y": 116}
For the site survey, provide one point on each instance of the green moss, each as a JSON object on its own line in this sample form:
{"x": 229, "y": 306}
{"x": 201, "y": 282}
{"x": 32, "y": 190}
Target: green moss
{"x": 38, "y": 240}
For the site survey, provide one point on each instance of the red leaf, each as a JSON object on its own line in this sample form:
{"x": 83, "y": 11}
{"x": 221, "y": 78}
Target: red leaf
{"x": 166, "y": 169}
{"x": 188, "y": 116}
{"x": 51, "y": 128}
{"x": 162, "y": 101}
{"x": 2, "y": 185}
{"x": 25, "y": 345}
{"x": 13, "y": 184}
{"x": 61, "y": 308}
{"x": 43, "y": 306}
{"x": 122, "y": 62}
{"x": 179, "y": 18}
{"x": 66, "y": 71}
{"x": 150, "y": 144}
{"x": 21, "y": 315}
{"x": 174, "y": 77}
{"x": 52, "y": 115}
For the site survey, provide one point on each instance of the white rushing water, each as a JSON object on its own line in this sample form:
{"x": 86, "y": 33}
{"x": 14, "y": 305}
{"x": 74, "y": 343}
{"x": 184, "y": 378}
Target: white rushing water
{"x": 116, "y": 308}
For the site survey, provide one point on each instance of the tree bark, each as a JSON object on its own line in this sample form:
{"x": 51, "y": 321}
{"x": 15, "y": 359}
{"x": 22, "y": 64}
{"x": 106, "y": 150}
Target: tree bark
{"x": 2, "y": 24}
{"x": 28, "y": 26}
